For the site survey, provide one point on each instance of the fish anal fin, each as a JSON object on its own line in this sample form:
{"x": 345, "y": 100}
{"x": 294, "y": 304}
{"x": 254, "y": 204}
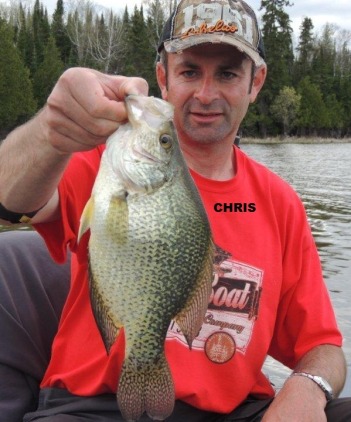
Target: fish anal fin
{"x": 190, "y": 318}
{"x": 108, "y": 327}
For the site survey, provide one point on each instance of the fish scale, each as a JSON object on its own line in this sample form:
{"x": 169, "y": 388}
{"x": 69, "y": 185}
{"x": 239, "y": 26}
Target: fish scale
{"x": 150, "y": 253}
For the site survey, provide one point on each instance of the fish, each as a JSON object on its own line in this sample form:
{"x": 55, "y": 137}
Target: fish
{"x": 150, "y": 253}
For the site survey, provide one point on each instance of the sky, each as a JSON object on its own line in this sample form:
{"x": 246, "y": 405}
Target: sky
{"x": 320, "y": 11}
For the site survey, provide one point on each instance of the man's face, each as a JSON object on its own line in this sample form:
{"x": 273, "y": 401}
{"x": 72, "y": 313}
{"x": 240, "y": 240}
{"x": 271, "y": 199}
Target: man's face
{"x": 210, "y": 88}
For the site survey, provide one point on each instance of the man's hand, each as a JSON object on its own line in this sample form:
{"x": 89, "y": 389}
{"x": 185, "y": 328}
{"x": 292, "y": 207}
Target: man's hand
{"x": 85, "y": 107}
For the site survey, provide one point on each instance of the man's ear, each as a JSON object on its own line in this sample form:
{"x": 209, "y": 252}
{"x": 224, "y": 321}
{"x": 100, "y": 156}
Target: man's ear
{"x": 258, "y": 81}
{"x": 162, "y": 80}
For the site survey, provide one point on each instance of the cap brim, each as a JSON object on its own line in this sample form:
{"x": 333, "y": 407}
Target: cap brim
{"x": 178, "y": 44}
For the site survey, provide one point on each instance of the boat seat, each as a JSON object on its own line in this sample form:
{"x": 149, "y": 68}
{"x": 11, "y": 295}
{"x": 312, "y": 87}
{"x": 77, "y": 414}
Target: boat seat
{"x": 33, "y": 289}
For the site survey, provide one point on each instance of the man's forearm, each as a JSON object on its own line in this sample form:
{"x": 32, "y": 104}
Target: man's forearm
{"x": 301, "y": 398}
{"x": 30, "y": 168}
{"x": 328, "y": 362}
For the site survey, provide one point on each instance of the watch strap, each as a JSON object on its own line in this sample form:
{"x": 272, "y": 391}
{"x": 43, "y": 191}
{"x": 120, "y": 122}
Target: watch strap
{"x": 17, "y": 217}
{"x": 321, "y": 382}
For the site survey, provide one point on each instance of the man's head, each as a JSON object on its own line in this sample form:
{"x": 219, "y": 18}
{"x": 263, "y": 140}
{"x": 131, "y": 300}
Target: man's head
{"x": 196, "y": 22}
{"x": 212, "y": 67}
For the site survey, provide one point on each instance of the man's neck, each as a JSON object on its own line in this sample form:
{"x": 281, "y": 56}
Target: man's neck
{"x": 215, "y": 162}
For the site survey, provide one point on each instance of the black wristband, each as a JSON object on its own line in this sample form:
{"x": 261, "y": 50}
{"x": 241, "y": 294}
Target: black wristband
{"x": 17, "y": 217}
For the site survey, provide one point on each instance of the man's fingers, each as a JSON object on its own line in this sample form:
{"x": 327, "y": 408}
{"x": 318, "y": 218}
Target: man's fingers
{"x": 86, "y": 107}
{"x": 133, "y": 86}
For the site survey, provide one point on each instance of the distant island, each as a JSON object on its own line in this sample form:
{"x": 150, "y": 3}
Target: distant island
{"x": 294, "y": 140}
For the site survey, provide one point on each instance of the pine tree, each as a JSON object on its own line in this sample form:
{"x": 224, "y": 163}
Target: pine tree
{"x": 48, "y": 72}
{"x": 335, "y": 116}
{"x": 313, "y": 112}
{"x": 140, "y": 54}
{"x": 24, "y": 40}
{"x": 156, "y": 19}
{"x": 16, "y": 96}
{"x": 41, "y": 33}
{"x": 324, "y": 62}
{"x": 305, "y": 50}
{"x": 277, "y": 39}
{"x": 346, "y": 103}
{"x": 58, "y": 30}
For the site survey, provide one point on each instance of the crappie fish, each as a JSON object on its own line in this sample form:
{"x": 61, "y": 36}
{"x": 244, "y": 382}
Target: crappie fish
{"x": 150, "y": 253}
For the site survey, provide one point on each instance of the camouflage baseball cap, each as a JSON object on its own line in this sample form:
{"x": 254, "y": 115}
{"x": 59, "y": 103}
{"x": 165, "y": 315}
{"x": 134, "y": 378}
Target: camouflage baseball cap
{"x": 195, "y": 22}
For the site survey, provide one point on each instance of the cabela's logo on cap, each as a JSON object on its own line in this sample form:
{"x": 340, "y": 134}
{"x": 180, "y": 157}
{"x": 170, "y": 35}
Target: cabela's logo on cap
{"x": 219, "y": 26}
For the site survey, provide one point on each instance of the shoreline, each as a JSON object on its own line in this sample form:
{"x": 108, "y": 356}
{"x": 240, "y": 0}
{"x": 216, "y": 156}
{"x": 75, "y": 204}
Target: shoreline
{"x": 294, "y": 140}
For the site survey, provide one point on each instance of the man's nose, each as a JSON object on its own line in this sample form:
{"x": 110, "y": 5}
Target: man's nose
{"x": 206, "y": 90}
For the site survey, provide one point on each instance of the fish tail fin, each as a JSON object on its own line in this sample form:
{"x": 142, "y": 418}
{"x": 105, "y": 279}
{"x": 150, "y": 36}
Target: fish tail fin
{"x": 130, "y": 393}
{"x": 149, "y": 390}
{"x": 160, "y": 393}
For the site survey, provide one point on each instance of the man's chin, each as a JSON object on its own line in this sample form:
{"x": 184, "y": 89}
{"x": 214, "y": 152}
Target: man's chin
{"x": 205, "y": 135}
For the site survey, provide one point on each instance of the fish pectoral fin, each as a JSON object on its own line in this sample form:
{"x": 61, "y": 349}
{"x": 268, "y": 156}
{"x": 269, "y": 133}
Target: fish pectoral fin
{"x": 191, "y": 317}
{"x": 86, "y": 218}
{"x": 149, "y": 389}
{"x": 118, "y": 218}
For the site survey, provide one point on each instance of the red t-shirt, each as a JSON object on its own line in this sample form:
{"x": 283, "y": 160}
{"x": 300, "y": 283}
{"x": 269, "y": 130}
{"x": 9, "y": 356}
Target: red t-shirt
{"x": 268, "y": 296}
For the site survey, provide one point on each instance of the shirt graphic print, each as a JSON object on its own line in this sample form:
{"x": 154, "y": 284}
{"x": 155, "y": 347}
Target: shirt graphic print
{"x": 232, "y": 310}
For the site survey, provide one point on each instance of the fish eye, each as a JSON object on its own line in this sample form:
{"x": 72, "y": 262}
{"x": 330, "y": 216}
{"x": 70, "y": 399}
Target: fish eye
{"x": 166, "y": 141}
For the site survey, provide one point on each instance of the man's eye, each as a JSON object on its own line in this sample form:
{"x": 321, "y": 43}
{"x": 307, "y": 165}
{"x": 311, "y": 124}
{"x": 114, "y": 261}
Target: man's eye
{"x": 228, "y": 75}
{"x": 189, "y": 73}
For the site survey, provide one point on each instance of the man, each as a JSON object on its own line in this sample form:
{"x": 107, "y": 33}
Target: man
{"x": 268, "y": 293}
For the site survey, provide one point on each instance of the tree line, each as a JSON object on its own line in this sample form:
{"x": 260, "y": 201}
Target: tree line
{"x": 308, "y": 87}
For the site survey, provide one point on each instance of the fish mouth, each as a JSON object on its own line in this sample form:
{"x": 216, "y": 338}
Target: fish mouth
{"x": 142, "y": 155}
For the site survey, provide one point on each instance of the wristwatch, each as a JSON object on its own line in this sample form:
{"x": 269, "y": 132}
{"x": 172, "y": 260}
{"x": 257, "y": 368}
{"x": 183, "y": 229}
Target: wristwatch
{"x": 321, "y": 382}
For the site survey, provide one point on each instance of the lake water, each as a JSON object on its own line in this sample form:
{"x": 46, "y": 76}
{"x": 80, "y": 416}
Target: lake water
{"x": 321, "y": 174}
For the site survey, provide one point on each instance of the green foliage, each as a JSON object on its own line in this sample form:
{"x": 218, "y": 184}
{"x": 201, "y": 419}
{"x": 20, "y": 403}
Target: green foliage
{"x": 41, "y": 32}
{"x": 47, "y": 72}
{"x": 313, "y": 112}
{"x": 285, "y": 108}
{"x": 305, "y": 51}
{"x": 276, "y": 32}
{"x": 16, "y": 97}
{"x": 36, "y": 48}
{"x": 59, "y": 32}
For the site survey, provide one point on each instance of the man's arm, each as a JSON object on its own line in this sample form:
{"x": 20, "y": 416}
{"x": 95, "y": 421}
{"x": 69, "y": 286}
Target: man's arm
{"x": 84, "y": 108}
{"x": 30, "y": 169}
{"x": 301, "y": 399}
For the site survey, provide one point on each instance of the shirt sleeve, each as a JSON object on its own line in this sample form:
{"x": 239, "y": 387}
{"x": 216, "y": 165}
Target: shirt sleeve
{"x": 74, "y": 191}
{"x": 305, "y": 317}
